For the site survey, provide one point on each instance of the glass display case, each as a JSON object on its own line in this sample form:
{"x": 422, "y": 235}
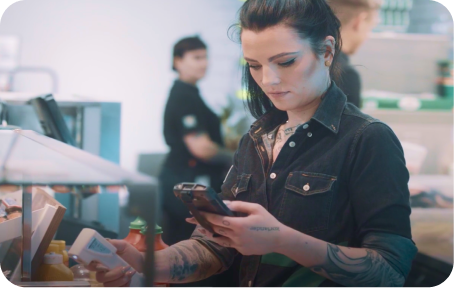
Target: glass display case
{"x": 30, "y": 162}
{"x": 93, "y": 125}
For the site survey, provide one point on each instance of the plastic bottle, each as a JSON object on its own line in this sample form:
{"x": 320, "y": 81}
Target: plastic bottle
{"x": 53, "y": 269}
{"x": 158, "y": 245}
{"x": 55, "y": 249}
{"x": 62, "y": 245}
{"x": 93, "y": 281}
{"x": 134, "y": 235}
{"x": 80, "y": 273}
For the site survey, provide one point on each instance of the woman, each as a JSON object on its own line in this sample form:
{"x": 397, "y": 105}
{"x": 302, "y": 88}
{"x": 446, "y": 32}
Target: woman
{"x": 324, "y": 185}
{"x": 193, "y": 134}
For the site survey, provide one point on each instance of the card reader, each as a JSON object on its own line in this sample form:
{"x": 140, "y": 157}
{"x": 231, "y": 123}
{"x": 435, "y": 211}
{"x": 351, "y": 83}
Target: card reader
{"x": 91, "y": 246}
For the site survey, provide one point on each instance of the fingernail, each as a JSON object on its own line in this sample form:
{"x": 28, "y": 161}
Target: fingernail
{"x": 130, "y": 273}
{"x": 125, "y": 269}
{"x": 227, "y": 202}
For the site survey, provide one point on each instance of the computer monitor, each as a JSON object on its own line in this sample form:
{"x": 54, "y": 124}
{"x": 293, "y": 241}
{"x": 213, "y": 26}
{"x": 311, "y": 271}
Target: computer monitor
{"x": 51, "y": 119}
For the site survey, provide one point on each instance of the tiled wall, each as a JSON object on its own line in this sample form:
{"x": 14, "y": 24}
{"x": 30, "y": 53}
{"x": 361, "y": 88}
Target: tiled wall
{"x": 407, "y": 63}
{"x": 429, "y": 17}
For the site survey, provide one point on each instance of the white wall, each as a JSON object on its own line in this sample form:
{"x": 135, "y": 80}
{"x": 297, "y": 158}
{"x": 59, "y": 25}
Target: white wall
{"x": 120, "y": 50}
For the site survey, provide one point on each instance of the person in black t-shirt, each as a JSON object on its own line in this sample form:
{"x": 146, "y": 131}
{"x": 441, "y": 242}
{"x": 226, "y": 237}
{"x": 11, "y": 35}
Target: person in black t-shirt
{"x": 358, "y": 18}
{"x": 193, "y": 133}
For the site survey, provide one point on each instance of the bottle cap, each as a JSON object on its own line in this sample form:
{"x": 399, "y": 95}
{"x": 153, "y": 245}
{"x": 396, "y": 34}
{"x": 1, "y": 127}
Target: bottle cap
{"x": 138, "y": 224}
{"x": 53, "y": 259}
{"x": 61, "y": 244}
{"x": 53, "y": 248}
{"x": 157, "y": 229}
{"x": 143, "y": 231}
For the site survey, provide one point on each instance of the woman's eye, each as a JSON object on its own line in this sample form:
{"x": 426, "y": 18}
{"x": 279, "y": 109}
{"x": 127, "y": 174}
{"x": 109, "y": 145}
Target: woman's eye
{"x": 255, "y": 67}
{"x": 288, "y": 63}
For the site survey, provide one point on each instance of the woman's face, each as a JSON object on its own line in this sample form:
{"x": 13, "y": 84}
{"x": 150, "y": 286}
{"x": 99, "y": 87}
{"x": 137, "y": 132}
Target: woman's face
{"x": 285, "y": 66}
{"x": 193, "y": 65}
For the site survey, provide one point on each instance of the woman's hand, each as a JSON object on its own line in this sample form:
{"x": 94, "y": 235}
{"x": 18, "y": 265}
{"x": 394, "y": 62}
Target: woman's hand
{"x": 120, "y": 276}
{"x": 257, "y": 234}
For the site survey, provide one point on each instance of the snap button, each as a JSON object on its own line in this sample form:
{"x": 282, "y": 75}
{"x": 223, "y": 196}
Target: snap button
{"x": 292, "y": 144}
{"x": 306, "y": 187}
{"x": 309, "y": 134}
{"x": 305, "y": 126}
{"x": 273, "y": 175}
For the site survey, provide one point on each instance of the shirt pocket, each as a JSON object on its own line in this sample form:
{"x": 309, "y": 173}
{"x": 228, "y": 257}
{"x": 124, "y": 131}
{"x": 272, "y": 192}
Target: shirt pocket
{"x": 307, "y": 200}
{"x": 242, "y": 184}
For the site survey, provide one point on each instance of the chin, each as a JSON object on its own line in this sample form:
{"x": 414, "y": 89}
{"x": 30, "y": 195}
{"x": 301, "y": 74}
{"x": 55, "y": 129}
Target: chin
{"x": 283, "y": 106}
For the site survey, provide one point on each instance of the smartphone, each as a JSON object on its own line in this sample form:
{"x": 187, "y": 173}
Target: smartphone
{"x": 198, "y": 198}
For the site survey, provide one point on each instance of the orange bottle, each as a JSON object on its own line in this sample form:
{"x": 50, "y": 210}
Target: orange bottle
{"x": 62, "y": 245}
{"x": 158, "y": 245}
{"x": 134, "y": 235}
{"x": 53, "y": 269}
{"x": 158, "y": 242}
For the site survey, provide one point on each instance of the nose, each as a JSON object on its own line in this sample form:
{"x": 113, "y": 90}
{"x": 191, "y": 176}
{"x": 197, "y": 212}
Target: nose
{"x": 269, "y": 77}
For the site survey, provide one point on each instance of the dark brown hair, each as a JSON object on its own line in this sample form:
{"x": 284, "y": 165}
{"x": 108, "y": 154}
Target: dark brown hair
{"x": 186, "y": 44}
{"x": 312, "y": 20}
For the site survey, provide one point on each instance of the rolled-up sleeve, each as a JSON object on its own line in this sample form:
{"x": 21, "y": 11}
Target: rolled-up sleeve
{"x": 378, "y": 185}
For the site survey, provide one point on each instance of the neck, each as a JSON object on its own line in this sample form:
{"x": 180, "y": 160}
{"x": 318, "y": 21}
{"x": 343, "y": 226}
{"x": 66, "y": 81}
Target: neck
{"x": 188, "y": 80}
{"x": 347, "y": 46}
{"x": 303, "y": 115}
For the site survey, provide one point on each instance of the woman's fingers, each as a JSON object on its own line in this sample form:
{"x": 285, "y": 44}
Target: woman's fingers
{"x": 218, "y": 220}
{"x": 112, "y": 275}
{"x": 223, "y": 231}
{"x": 226, "y": 233}
{"x": 192, "y": 221}
{"x": 129, "y": 253}
{"x": 244, "y": 207}
{"x": 92, "y": 266}
{"x": 121, "y": 282}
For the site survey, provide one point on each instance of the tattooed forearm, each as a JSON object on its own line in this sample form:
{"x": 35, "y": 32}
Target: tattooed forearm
{"x": 190, "y": 261}
{"x": 369, "y": 270}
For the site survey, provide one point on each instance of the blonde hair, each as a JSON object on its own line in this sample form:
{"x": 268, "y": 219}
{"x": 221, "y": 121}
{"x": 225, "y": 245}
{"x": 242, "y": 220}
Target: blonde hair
{"x": 346, "y": 10}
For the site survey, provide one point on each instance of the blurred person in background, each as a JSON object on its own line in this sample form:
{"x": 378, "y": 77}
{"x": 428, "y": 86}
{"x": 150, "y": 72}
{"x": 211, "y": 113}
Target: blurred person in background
{"x": 193, "y": 133}
{"x": 358, "y": 18}
{"x": 197, "y": 154}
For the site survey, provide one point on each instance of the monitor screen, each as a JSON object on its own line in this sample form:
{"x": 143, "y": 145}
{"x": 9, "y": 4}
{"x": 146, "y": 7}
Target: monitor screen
{"x": 51, "y": 119}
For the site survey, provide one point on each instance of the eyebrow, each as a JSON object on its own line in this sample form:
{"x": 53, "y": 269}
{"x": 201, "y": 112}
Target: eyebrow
{"x": 273, "y": 57}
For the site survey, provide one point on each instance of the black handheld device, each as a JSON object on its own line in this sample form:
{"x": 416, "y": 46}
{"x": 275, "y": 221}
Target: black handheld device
{"x": 198, "y": 198}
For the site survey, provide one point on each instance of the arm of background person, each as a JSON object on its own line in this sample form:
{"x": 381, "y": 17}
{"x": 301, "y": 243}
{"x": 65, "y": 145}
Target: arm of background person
{"x": 202, "y": 147}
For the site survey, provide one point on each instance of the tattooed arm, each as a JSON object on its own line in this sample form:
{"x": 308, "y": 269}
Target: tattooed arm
{"x": 383, "y": 260}
{"x": 357, "y": 267}
{"x": 186, "y": 261}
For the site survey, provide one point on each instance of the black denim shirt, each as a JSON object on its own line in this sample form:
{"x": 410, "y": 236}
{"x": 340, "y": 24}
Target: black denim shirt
{"x": 341, "y": 176}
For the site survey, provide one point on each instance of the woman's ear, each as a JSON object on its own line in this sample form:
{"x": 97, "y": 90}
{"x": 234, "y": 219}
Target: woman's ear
{"x": 176, "y": 62}
{"x": 330, "y": 48}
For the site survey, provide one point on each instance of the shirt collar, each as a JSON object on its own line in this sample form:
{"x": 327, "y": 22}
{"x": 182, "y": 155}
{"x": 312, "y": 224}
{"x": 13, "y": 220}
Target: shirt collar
{"x": 328, "y": 113}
